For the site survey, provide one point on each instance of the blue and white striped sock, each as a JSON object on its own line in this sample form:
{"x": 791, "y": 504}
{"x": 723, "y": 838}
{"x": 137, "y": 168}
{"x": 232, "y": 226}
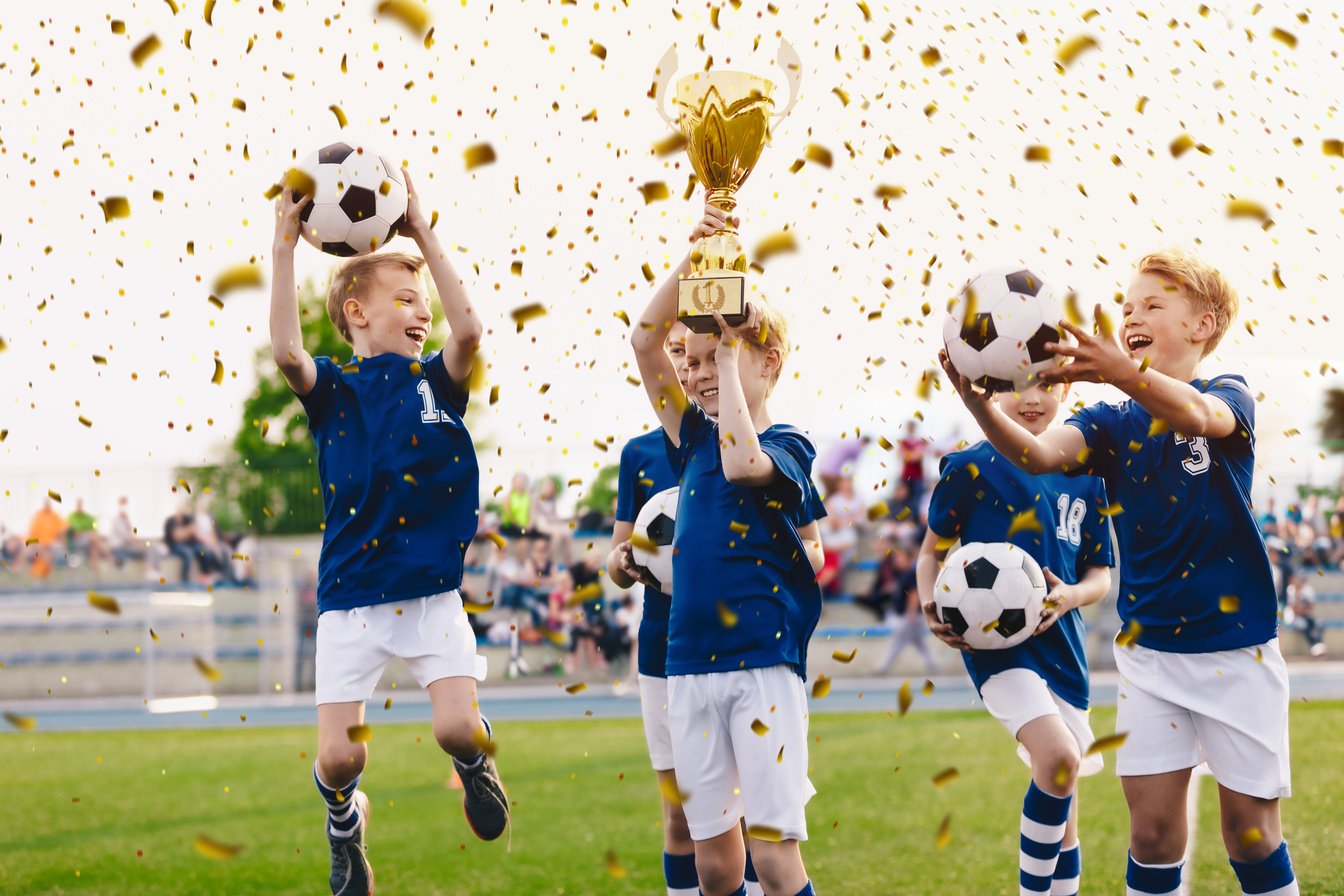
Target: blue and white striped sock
{"x": 1068, "y": 871}
{"x": 1271, "y": 876}
{"x": 753, "y": 882}
{"x": 468, "y": 765}
{"x": 342, "y": 811}
{"x": 807, "y": 889}
{"x": 679, "y": 872}
{"x": 1043, "y": 820}
{"x": 740, "y": 891}
{"x": 1152, "y": 880}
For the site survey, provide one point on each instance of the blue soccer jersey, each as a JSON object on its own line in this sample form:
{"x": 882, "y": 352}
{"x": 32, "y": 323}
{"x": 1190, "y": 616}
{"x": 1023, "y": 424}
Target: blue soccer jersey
{"x": 1195, "y": 574}
{"x": 980, "y": 496}
{"x": 400, "y": 483}
{"x": 644, "y": 473}
{"x": 743, "y": 592}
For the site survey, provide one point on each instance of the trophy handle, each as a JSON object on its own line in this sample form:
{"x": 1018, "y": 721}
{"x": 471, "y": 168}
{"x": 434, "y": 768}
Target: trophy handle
{"x": 793, "y": 66}
{"x": 662, "y": 76}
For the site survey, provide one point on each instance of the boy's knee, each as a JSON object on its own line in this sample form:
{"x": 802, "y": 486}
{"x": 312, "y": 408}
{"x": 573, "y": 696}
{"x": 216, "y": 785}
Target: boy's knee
{"x": 1154, "y": 841}
{"x": 460, "y": 737}
{"x": 1057, "y": 770}
{"x": 340, "y": 763}
{"x": 675, "y": 824}
{"x": 1248, "y": 837}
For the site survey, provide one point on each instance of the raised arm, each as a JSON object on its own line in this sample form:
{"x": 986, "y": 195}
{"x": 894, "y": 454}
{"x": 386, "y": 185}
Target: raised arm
{"x": 459, "y": 353}
{"x": 287, "y": 350}
{"x": 650, "y": 333}
{"x": 1058, "y": 449}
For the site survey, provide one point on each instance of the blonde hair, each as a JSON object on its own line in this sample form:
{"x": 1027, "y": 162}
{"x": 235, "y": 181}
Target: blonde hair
{"x": 1204, "y": 285}
{"x": 775, "y": 329}
{"x": 348, "y": 281}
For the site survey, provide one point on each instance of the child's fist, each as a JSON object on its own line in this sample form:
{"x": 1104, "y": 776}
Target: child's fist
{"x": 287, "y": 212}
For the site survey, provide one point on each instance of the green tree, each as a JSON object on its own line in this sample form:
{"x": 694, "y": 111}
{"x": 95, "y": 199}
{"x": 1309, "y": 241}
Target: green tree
{"x": 1332, "y": 424}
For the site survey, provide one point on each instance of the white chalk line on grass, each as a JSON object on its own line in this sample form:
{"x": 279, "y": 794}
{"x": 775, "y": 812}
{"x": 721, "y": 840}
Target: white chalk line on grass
{"x": 1198, "y": 774}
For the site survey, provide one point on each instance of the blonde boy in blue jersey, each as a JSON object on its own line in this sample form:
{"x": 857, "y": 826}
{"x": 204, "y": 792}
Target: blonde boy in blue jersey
{"x": 1202, "y": 678}
{"x": 401, "y": 489}
{"x": 745, "y": 599}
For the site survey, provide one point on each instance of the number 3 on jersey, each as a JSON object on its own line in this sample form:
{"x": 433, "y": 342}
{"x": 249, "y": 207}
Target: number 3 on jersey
{"x": 1198, "y": 461}
{"x": 431, "y": 414}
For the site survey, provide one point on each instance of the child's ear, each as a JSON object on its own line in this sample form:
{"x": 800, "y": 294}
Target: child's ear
{"x": 1205, "y": 327}
{"x": 354, "y": 313}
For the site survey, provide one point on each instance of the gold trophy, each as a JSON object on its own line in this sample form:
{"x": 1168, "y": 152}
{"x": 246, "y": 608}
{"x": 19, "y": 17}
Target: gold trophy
{"x": 725, "y": 118}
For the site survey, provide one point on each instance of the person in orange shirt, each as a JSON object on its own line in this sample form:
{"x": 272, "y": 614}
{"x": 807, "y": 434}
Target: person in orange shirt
{"x": 45, "y": 531}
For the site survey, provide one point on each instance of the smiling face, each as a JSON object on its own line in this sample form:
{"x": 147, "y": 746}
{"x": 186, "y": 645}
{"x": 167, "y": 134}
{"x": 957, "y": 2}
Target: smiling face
{"x": 391, "y": 314}
{"x": 1034, "y": 407}
{"x": 702, "y": 373}
{"x": 1162, "y": 323}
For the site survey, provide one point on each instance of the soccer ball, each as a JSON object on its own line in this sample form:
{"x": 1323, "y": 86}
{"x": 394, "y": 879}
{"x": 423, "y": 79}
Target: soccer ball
{"x": 657, "y": 522}
{"x": 991, "y": 594}
{"x": 997, "y": 328}
{"x": 359, "y": 202}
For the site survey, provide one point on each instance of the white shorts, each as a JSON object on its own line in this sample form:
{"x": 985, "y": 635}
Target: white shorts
{"x": 1018, "y": 696}
{"x": 657, "y": 729}
{"x": 430, "y": 634}
{"x": 727, "y": 770}
{"x": 1226, "y": 708}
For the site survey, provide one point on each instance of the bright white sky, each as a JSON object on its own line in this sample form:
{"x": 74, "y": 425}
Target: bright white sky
{"x": 81, "y": 122}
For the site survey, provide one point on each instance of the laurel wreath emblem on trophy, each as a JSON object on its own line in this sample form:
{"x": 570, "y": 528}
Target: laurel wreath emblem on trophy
{"x": 718, "y": 297}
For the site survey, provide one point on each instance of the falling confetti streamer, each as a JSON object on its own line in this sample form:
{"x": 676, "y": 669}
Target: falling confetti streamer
{"x": 614, "y": 866}
{"x": 23, "y": 723}
{"x": 1070, "y": 50}
{"x": 213, "y": 849}
{"x": 145, "y": 49}
{"x": 105, "y": 602}
{"x": 243, "y": 276}
{"x": 478, "y": 155}
{"x": 844, "y": 657}
{"x": 821, "y": 687}
{"x": 359, "y": 734}
{"x": 759, "y": 728}
{"x": 209, "y": 671}
{"x": 944, "y": 835}
{"x": 410, "y": 13}
{"x": 1104, "y": 744}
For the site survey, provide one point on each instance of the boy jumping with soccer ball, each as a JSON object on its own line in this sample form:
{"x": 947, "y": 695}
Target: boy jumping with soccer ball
{"x": 1202, "y": 677}
{"x": 400, "y": 486}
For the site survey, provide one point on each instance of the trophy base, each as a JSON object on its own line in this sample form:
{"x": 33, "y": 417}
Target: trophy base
{"x": 700, "y": 296}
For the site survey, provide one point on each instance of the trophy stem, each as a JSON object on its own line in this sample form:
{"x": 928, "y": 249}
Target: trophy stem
{"x": 725, "y": 199}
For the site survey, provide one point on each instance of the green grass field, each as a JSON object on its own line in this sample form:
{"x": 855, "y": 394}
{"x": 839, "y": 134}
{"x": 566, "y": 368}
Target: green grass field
{"x": 120, "y": 812}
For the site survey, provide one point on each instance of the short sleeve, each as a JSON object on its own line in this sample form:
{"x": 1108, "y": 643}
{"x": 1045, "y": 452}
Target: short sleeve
{"x": 792, "y": 453}
{"x": 454, "y": 395}
{"x": 953, "y": 497}
{"x": 1096, "y": 549}
{"x": 1097, "y": 424}
{"x": 625, "y": 484}
{"x": 318, "y": 402}
{"x": 1232, "y": 391}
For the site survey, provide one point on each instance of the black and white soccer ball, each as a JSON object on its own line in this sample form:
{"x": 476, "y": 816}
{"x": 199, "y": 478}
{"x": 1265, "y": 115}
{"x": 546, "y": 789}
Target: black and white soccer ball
{"x": 359, "y": 201}
{"x": 991, "y": 594}
{"x": 997, "y": 328}
{"x": 657, "y": 522}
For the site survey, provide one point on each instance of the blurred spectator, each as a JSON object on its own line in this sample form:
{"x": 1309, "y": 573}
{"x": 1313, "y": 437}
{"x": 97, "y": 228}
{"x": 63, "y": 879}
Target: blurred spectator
{"x": 1269, "y": 520}
{"x": 45, "y": 531}
{"x": 1300, "y": 613}
{"x": 838, "y": 461}
{"x": 239, "y": 568}
{"x": 523, "y": 577}
{"x": 547, "y": 521}
{"x": 11, "y": 549}
{"x": 912, "y": 462}
{"x": 179, "y": 538}
{"x": 516, "y": 515}
{"x": 122, "y": 537}
{"x": 903, "y": 615}
{"x": 213, "y": 553}
{"x": 305, "y": 657}
{"x": 82, "y": 532}
{"x": 590, "y": 629}
{"x": 841, "y": 529}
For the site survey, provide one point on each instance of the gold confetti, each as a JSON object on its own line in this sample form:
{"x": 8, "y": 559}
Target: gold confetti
{"x": 1025, "y": 521}
{"x": 414, "y": 15}
{"x": 671, "y": 795}
{"x": 336, "y": 110}
{"x": 591, "y": 591}
{"x": 243, "y": 276}
{"x": 1071, "y": 49}
{"x": 930, "y": 57}
{"x": 105, "y": 602}
{"x": 1229, "y": 603}
{"x": 774, "y": 244}
{"x": 576, "y": 688}
{"x": 23, "y": 723}
{"x": 844, "y": 657}
{"x": 904, "y": 697}
{"x": 1287, "y": 38}
{"x": 878, "y": 511}
{"x": 672, "y": 143}
{"x": 206, "y": 669}
{"x": 821, "y": 687}
{"x": 597, "y": 50}
{"x": 1259, "y": 655}
{"x": 213, "y": 849}
{"x": 525, "y": 313}
{"x": 653, "y": 191}
{"x": 1181, "y": 145}
{"x": 643, "y": 543}
{"x": 145, "y": 49}
{"x": 817, "y": 153}
{"x": 738, "y": 528}
{"x": 115, "y": 207}
{"x": 153, "y": 635}
{"x": 359, "y": 734}
{"x": 300, "y": 182}
{"x": 944, "y": 835}
{"x": 1109, "y": 742}
{"x": 219, "y": 372}
{"x": 889, "y": 191}
{"x": 1037, "y": 153}
{"x": 726, "y": 616}
{"x": 927, "y": 689}
{"x": 763, "y": 832}
{"x": 1246, "y": 208}
{"x": 54, "y": 495}
{"x": 478, "y": 155}
{"x": 945, "y": 777}
{"x": 473, "y": 606}
{"x": 614, "y": 866}
{"x": 1333, "y": 148}
{"x": 759, "y": 728}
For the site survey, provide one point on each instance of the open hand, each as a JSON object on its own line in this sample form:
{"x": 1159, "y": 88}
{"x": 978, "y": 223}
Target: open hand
{"x": 974, "y": 399}
{"x": 1097, "y": 358}
{"x": 287, "y": 212}
{"x": 1058, "y": 601}
{"x": 625, "y": 558}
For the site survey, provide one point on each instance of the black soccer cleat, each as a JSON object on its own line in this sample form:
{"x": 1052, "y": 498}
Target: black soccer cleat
{"x": 484, "y": 801}
{"x": 351, "y": 874}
